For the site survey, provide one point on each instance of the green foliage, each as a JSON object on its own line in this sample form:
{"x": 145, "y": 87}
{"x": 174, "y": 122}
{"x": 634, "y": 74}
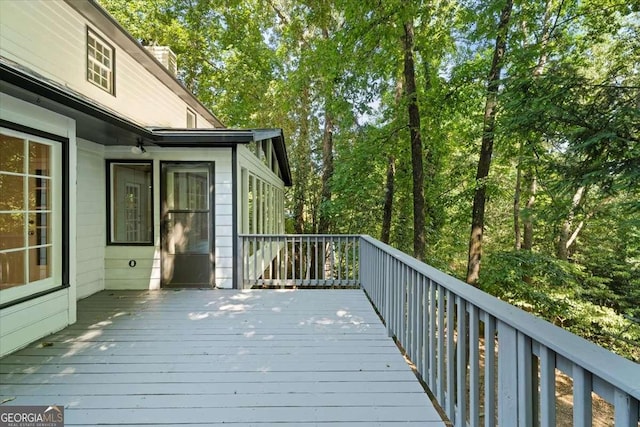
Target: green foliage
{"x": 556, "y": 291}
{"x": 568, "y": 115}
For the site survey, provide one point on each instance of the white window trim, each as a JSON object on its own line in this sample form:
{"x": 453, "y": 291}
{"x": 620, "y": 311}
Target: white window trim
{"x": 191, "y": 113}
{"x": 23, "y": 291}
{"x": 91, "y": 60}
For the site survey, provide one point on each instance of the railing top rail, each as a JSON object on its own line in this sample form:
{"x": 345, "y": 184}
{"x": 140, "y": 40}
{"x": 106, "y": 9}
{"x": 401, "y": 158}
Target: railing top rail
{"x": 618, "y": 371}
{"x": 357, "y": 236}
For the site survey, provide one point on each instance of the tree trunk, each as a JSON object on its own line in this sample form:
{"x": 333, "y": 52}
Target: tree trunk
{"x": 486, "y": 151}
{"x": 516, "y": 207}
{"x": 388, "y": 200}
{"x": 532, "y": 181}
{"x": 324, "y": 222}
{"x": 302, "y": 157}
{"x": 416, "y": 143}
{"x": 567, "y": 238}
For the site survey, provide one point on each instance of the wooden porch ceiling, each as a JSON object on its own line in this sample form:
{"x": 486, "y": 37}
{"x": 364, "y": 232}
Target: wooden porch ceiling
{"x": 207, "y": 357}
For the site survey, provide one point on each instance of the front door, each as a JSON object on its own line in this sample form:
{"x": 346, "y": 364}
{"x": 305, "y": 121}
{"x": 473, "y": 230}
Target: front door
{"x": 187, "y": 224}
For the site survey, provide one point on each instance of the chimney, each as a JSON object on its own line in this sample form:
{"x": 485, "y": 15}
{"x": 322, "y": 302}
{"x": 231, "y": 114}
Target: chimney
{"x": 166, "y": 57}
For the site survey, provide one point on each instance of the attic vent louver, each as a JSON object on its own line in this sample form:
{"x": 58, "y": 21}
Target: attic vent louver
{"x": 166, "y": 57}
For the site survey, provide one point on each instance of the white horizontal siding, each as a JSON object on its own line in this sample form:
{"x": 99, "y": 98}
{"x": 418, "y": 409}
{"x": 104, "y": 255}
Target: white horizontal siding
{"x": 90, "y": 218}
{"x": 27, "y": 322}
{"x": 49, "y": 37}
{"x": 144, "y": 275}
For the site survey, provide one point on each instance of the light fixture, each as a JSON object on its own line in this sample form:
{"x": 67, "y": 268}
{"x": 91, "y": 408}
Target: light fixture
{"x": 139, "y": 148}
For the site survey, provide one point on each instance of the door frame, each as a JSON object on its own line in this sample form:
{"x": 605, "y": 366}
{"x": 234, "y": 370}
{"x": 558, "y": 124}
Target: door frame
{"x": 210, "y": 165}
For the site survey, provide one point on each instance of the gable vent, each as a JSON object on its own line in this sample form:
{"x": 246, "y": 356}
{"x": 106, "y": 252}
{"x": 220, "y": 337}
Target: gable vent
{"x": 166, "y": 57}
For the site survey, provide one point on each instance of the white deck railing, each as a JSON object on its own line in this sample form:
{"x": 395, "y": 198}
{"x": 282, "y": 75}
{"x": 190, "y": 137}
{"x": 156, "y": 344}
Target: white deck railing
{"x": 487, "y": 362}
{"x": 270, "y": 260}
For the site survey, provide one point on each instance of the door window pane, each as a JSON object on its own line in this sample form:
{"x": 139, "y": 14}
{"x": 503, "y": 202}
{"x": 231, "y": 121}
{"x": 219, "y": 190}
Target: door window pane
{"x": 189, "y": 190}
{"x": 39, "y": 194}
{"x": 131, "y": 203}
{"x": 39, "y": 263}
{"x": 39, "y": 159}
{"x": 188, "y": 232}
{"x": 11, "y": 230}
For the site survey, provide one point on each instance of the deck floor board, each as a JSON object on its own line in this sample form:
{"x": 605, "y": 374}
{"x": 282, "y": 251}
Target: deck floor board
{"x": 263, "y": 358}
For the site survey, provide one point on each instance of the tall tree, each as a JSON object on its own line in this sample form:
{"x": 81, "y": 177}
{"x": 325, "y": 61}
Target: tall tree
{"x": 416, "y": 142}
{"x": 486, "y": 150}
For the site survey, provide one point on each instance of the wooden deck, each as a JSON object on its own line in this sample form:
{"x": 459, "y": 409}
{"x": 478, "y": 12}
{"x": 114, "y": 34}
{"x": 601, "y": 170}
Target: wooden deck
{"x": 196, "y": 357}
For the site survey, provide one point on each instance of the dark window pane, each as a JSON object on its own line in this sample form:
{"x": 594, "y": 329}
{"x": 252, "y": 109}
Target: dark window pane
{"x": 39, "y": 263}
{"x": 39, "y": 229}
{"x": 131, "y": 210}
{"x": 39, "y": 194}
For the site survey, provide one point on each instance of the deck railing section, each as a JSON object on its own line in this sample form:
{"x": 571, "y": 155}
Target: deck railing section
{"x": 270, "y": 260}
{"x": 487, "y": 362}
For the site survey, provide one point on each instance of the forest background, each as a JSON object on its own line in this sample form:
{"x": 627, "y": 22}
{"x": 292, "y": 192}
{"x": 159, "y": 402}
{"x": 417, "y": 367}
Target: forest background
{"x": 498, "y": 140}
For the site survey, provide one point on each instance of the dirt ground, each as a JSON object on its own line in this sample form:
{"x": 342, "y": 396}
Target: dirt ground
{"x": 603, "y": 413}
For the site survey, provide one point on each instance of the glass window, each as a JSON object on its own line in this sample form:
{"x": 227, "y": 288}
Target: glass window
{"x": 131, "y": 202}
{"x": 28, "y": 220}
{"x": 100, "y": 62}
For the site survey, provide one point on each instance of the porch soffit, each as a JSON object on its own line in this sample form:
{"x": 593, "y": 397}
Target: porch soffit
{"x": 100, "y": 124}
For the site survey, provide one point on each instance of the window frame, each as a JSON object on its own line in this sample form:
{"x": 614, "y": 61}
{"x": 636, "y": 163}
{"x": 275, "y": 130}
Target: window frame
{"x": 112, "y": 71}
{"x": 110, "y": 203}
{"x": 193, "y": 114}
{"x": 60, "y": 262}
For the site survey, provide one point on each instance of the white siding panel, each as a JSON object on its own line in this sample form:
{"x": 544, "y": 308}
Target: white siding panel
{"x": 91, "y": 218}
{"x": 23, "y": 324}
{"x": 144, "y": 275}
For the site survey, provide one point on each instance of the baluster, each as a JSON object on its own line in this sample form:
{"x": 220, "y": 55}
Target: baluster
{"x": 461, "y": 368}
{"x": 582, "y": 413}
{"x": 547, "y": 387}
{"x": 489, "y": 370}
{"x": 474, "y": 367}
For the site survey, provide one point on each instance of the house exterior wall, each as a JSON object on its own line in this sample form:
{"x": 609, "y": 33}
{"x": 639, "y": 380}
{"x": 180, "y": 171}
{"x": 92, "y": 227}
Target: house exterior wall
{"x": 35, "y": 318}
{"x": 90, "y": 218}
{"x": 50, "y": 38}
{"x": 147, "y": 271}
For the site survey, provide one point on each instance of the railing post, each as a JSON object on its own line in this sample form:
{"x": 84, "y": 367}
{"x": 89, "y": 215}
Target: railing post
{"x": 387, "y": 294}
{"x": 239, "y": 264}
{"x": 507, "y": 374}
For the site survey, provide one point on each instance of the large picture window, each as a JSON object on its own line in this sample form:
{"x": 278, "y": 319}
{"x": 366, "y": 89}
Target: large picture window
{"x": 131, "y": 202}
{"x": 30, "y": 213}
